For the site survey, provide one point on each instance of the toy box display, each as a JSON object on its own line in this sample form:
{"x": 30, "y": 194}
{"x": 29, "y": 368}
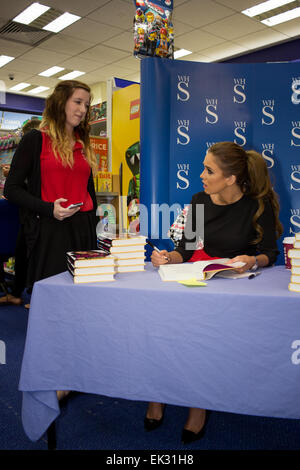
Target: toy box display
{"x": 153, "y": 28}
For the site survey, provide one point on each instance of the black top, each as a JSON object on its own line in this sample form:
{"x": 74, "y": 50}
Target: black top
{"x": 228, "y": 229}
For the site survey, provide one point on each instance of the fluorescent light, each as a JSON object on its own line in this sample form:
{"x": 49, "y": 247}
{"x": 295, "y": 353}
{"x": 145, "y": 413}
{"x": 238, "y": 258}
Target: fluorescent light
{"x": 51, "y": 71}
{"x": 31, "y": 13}
{"x": 181, "y": 53}
{"x": 71, "y": 75}
{"x": 4, "y": 59}
{"x": 38, "y": 89}
{"x": 265, "y": 6}
{"x": 20, "y": 86}
{"x": 282, "y": 17}
{"x": 61, "y": 22}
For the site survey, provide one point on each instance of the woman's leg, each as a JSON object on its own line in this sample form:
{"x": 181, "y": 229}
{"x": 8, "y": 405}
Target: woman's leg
{"x": 195, "y": 420}
{"x": 155, "y": 410}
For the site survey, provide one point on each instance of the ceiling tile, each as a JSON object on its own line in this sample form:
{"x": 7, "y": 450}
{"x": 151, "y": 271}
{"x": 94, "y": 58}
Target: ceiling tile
{"x": 13, "y": 49}
{"x": 91, "y": 30}
{"x": 238, "y": 5}
{"x": 290, "y": 28}
{"x": 103, "y": 54}
{"x": 20, "y": 65}
{"x": 79, "y": 63}
{"x": 66, "y": 44}
{"x": 81, "y": 8}
{"x": 260, "y": 39}
{"x": 201, "y": 13}
{"x": 197, "y": 40}
{"x": 234, "y": 26}
{"x": 196, "y": 58}
{"x": 123, "y": 41}
{"x": 43, "y": 56}
{"x": 227, "y": 49}
{"x": 119, "y": 14}
{"x": 131, "y": 62}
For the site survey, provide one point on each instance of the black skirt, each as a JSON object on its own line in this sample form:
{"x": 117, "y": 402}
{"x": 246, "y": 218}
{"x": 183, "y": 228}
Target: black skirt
{"x": 48, "y": 256}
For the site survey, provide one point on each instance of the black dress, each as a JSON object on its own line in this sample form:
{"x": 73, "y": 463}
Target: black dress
{"x": 47, "y": 238}
{"x": 228, "y": 230}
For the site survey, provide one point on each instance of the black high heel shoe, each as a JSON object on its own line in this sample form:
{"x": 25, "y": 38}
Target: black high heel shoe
{"x": 187, "y": 437}
{"x": 150, "y": 424}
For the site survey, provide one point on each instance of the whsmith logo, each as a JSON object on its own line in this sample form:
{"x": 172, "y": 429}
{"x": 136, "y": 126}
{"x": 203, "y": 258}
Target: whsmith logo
{"x": 295, "y": 177}
{"x": 239, "y": 132}
{"x": 295, "y": 221}
{"x": 295, "y": 141}
{"x": 267, "y": 153}
{"x": 239, "y": 90}
{"x": 296, "y": 91}
{"x": 182, "y": 174}
{"x": 182, "y": 130}
{"x": 182, "y": 86}
{"x": 267, "y": 106}
{"x": 211, "y": 108}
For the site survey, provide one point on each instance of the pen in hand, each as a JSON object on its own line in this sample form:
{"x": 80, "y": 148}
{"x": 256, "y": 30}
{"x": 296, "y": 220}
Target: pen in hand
{"x": 155, "y": 248}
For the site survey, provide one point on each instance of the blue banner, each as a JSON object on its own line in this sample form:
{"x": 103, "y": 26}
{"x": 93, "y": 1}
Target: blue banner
{"x": 188, "y": 106}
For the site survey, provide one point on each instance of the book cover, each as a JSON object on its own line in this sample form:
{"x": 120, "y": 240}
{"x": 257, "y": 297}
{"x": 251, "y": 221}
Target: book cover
{"x": 294, "y": 287}
{"x": 295, "y": 278}
{"x": 200, "y": 270}
{"x": 129, "y": 269}
{"x": 130, "y": 255}
{"x": 121, "y": 240}
{"x": 104, "y": 182}
{"x": 91, "y": 270}
{"x": 127, "y": 249}
{"x": 130, "y": 261}
{"x": 94, "y": 278}
{"x": 294, "y": 253}
{"x": 89, "y": 258}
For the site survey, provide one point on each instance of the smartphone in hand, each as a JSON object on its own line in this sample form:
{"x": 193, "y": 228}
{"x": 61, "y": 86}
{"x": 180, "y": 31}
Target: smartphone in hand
{"x": 77, "y": 204}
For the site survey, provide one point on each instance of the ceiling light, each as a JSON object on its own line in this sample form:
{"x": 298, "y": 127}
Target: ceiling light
{"x": 71, "y": 75}
{"x": 265, "y": 6}
{"x": 4, "y": 59}
{"x": 31, "y": 13}
{"x": 20, "y": 86}
{"x": 51, "y": 71}
{"x": 181, "y": 53}
{"x": 38, "y": 89}
{"x": 61, "y": 22}
{"x": 282, "y": 17}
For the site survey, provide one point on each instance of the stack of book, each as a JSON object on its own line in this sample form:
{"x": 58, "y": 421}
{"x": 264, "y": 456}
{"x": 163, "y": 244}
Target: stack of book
{"x": 91, "y": 266}
{"x": 129, "y": 251}
{"x": 294, "y": 255}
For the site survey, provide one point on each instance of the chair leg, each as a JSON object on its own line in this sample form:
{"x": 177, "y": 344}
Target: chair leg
{"x": 51, "y": 436}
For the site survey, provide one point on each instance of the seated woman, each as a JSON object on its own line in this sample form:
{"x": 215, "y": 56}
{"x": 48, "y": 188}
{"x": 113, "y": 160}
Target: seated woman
{"x": 240, "y": 222}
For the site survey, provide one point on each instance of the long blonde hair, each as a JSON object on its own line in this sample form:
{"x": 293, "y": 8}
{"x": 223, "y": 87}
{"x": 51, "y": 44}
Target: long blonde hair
{"x": 54, "y": 120}
{"x": 252, "y": 176}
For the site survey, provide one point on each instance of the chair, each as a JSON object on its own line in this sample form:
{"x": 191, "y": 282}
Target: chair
{"x": 9, "y": 219}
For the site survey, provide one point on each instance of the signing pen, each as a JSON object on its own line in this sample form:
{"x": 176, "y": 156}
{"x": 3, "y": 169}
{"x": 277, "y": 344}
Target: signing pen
{"x": 253, "y": 275}
{"x": 155, "y": 248}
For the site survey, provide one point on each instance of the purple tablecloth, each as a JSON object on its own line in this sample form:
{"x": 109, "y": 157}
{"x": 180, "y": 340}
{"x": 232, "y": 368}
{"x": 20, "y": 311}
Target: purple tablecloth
{"x": 233, "y": 345}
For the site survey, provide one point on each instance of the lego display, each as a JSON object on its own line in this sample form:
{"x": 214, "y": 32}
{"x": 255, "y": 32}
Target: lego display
{"x": 153, "y": 28}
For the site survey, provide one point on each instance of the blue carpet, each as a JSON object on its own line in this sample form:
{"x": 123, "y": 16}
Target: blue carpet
{"x": 93, "y": 422}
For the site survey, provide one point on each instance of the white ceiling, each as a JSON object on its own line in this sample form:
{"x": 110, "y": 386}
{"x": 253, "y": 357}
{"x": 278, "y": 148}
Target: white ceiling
{"x": 101, "y": 43}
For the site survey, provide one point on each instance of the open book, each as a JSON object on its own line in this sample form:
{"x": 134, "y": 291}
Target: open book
{"x": 199, "y": 270}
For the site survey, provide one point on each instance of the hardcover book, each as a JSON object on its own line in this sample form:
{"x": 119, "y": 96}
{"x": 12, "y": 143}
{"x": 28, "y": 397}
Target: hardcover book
{"x": 79, "y": 259}
{"x": 93, "y": 278}
{"x": 200, "y": 270}
{"x": 294, "y": 253}
{"x": 125, "y": 239}
{"x": 294, "y": 287}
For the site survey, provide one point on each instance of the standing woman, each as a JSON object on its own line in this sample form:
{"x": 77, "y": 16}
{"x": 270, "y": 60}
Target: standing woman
{"x": 240, "y": 222}
{"x": 56, "y": 162}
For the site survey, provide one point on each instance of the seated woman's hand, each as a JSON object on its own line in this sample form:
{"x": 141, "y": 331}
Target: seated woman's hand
{"x": 159, "y": 258}
{"x": 248, "y": 260}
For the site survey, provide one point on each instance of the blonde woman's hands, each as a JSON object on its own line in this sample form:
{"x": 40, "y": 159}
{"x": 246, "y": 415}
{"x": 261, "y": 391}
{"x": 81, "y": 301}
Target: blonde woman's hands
{"x": 61, "y": 213}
